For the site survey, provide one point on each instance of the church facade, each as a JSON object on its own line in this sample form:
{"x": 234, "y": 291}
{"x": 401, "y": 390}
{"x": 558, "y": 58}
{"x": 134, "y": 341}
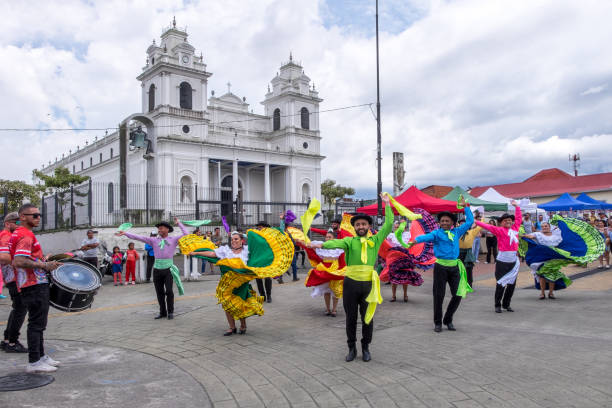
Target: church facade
{"x": 215, "y": 142}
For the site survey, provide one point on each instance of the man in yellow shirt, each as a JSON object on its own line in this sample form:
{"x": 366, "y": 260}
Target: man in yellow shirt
{"x": 466, "y": 255}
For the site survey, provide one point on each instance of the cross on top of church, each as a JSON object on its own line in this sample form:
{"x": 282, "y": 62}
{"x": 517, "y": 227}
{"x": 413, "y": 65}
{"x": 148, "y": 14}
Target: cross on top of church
{"x": 229, "y": 87}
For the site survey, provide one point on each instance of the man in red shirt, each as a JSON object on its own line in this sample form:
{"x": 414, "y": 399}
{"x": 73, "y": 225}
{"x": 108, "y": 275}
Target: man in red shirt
{"x": 11, "y": 342}
{"x": 33, "y": 284}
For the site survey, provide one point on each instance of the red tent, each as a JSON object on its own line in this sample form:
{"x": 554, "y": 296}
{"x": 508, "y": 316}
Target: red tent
{"x": 415, "y": 198}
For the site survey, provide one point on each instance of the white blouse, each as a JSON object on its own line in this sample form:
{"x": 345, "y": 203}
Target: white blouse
{"x": 327, "y": 253}
{"x": 225, "y": 252}
{"x": 549, "y": 240}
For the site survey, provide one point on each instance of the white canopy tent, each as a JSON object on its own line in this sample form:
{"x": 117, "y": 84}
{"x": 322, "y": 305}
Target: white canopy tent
{"x": 493, "y": 195}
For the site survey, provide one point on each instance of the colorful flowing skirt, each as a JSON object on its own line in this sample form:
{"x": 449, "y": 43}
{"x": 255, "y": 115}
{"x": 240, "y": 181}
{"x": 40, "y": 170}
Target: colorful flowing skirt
{"x": 270, "y": 255}
{"x": 581, "y": 243}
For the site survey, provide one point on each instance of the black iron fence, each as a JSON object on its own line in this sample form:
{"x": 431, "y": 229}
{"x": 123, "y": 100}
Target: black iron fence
{"x": 98, "y": 205}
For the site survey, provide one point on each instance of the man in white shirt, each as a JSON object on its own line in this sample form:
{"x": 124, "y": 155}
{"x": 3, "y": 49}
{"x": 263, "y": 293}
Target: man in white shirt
{"x": 89, "y": 246}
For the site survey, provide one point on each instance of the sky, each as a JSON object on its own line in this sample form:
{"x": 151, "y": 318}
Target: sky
{"x": 472, "y": 92}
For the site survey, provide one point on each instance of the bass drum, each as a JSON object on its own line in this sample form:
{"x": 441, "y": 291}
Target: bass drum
{"x": 73, "y": 285}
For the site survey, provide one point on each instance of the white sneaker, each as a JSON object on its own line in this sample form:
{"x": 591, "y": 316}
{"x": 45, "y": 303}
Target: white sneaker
{"x": 40, "y": 367}
{"x": 49, "y": 361}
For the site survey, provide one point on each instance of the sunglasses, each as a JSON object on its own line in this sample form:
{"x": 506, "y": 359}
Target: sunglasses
{"x": 35, "y": 215}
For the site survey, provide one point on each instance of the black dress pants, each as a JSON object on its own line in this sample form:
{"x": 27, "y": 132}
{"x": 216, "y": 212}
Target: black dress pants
{"x": 441, "y": 276}
{"x": 150, "y": 262}
{"x": 503, "y": 295}
{"x": 491, "y": 248}
{"x": 17, "y": 315}
{"x": 264, "y": 287}
{"x": 469, "y": 266}
{"x": 36, "y": 300}
{"x": 162, "y": 279}
{"x": 354, "y": 296}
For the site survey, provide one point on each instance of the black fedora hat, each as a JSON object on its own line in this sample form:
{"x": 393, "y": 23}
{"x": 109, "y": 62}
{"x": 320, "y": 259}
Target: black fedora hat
{"x": 504, "y": 216}
{"x": 360, "y": 216}
{"x": 447, "y": 214}
{"x": 165, "y": 224}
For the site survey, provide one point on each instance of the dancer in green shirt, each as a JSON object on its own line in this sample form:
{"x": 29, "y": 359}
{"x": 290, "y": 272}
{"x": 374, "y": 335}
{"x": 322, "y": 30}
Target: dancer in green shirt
{"x": 361, "y": 283}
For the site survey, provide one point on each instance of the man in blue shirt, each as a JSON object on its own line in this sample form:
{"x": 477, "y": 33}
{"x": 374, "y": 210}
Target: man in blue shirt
{"x": 448, "y": 268}
{"x": 150, "y": 257}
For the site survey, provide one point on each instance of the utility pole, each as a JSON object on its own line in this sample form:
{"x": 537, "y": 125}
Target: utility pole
{"x": 378, "y": 137}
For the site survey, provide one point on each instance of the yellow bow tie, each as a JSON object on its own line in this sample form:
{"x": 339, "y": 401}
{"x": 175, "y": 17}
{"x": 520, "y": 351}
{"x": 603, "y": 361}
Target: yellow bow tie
{"x": 364, "y": 249}
{"x": 450, "y": 235}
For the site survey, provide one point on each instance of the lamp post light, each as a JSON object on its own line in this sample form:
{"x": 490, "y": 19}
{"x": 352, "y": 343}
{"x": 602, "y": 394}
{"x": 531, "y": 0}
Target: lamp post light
{"x": 378, "y": 136}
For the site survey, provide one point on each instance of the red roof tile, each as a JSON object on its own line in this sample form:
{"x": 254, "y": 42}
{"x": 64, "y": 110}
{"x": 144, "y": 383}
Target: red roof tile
{"x": 550, "y": 182}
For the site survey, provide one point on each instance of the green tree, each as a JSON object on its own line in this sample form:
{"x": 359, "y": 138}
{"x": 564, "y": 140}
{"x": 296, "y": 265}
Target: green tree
{"x": 61, "y": 179}
{"x": 18, "y": 192}
{"x": 59, "y": 184}
{"x": 332, "y": 191}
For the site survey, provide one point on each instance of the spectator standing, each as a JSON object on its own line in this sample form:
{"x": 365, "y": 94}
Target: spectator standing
{"x": 150, "y": 257}
{"x": 491, "y": 241}
{"x": 89, "y": 246}
{"x": 117, "y": 264}
{"x": 131, "y": 256}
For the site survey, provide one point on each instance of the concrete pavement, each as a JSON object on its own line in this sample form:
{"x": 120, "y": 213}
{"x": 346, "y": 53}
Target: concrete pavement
{"x": 546, "y": 354}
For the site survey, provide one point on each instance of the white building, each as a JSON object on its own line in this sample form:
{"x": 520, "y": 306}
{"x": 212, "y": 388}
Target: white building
{"x": 214, "y": 142}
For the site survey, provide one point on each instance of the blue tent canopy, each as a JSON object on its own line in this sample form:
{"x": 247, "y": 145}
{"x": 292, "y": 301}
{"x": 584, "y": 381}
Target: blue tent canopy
{"x": 566, "y": 203}
{"x": 590, "y": 200}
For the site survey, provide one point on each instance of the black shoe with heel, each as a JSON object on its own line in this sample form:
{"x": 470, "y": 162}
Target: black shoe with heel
{"x": 230, "y": 332}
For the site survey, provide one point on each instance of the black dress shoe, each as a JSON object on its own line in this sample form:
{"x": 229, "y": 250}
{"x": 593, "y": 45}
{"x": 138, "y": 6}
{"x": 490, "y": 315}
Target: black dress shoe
{"x": 230, "y": 332}
{"x": 351, "y": 354}
{"x": 438, "y": 328}
{"x": 508, "y": 309}
{"x": 497, "y": 309}
{"x": 269, "y": 299}
{"x": 451, "y": 327}
{"x": 160, "y": 316}
{"x": 170, "y": 316}
{"x": 365, "y": 354}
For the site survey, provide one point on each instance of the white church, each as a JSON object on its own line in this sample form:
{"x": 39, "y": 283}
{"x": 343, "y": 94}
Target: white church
{"x": 216, "y": 142}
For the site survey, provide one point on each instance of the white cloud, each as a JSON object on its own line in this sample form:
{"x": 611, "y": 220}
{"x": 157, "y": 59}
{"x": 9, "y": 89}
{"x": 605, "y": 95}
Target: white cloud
{"x": 472, "y": 92}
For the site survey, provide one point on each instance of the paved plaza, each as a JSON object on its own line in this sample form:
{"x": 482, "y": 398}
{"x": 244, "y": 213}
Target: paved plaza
{"x": 548, "y": 353}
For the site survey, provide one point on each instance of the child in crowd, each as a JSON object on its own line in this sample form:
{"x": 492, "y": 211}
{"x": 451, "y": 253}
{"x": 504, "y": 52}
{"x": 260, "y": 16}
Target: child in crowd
{"x": 131, "y": 257}
{"x": 117, "y": 264}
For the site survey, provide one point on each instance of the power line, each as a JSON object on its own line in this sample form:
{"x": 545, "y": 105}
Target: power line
{"x": 165, "y": 126}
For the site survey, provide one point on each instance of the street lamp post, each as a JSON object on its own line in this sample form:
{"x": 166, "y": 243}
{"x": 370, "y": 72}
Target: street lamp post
{"x": 378, "y": 136}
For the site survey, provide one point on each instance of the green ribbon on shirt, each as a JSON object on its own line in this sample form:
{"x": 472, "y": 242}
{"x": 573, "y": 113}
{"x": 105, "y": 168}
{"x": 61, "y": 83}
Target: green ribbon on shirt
{"x": 464, "y": 287}
{"x": 450, "y": 235}
{"x": 162, "y": 244}
{"x": 169, "y": 264}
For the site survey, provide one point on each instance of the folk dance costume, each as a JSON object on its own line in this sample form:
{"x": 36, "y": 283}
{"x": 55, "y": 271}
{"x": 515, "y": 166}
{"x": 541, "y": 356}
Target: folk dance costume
{"x": 572, "y": 242}
{"x": 268, "y": 253}
{"x": 327, "y": 273}
{"x": 508, "y": 263}
{"x": 448, "y": 269}
{"x": 466, "y": 252}
{"x": 361, "y": 283}
{"x": 164, "y": 270}
{"x": 400, "y": 262}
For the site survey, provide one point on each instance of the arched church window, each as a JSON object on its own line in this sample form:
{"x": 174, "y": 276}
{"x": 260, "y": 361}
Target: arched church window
{"x": 305, "y": 192}
{"x": 185, "y": 95}
{"x": 110, "y": 198}
{"x": 186, "y": 190}
{"x": 111, "y": 153}
{"x": 100, "y": 157}
{"x": 90, "y": 161}
{"x": 82, "y": 167}
{"x": 276, "y": 119}
{"x": 305, "y": 116}
{"x": 151, "y": 97}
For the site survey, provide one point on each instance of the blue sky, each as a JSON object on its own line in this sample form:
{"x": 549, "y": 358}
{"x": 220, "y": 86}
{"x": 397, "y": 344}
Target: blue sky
{"x": 472, "y": 92}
